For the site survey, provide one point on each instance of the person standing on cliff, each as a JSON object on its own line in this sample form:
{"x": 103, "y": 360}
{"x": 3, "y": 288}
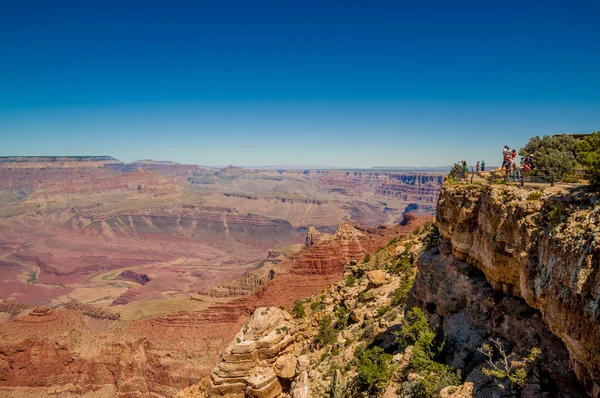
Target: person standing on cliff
{"x": 505, "y": 154}
{"x": 483, "y": 165}
{"x": 478, "y": 165}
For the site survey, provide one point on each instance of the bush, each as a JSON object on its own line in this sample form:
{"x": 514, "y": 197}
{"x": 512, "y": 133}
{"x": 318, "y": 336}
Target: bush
{"x": 342, "y": 314}
{"x": 317, "y": 306}
{"x": 588, "y": 154}
{"x": 327, "y": 334}
{"x": 350, "y": 280}
{"x": 432, "y": 236}
{"x": 515, "y": 371}
{"x": 400, "y": 295}
{"x": 298, "y": 310}
{"x": 411, "y": 327}
{"x": 553, "y": 156}
{"x": 401, "y": 265}
{"x": 381, "y": 311}
{"x": 366, "y": 258}
{"x": 373, "y": 368}
{"x": 427, "y": 348}
{"x": 535, "y": 195}
{"x": 555, "y": 215}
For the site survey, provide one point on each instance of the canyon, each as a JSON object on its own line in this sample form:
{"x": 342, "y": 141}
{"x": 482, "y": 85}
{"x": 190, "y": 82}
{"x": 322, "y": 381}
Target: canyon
{"x": 516, "y": 266}
{"x": 103, "y": 262}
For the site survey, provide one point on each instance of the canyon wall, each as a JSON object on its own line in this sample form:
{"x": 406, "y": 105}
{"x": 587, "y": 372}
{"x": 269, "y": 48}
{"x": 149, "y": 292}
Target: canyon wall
{"x": 522, "y": 265}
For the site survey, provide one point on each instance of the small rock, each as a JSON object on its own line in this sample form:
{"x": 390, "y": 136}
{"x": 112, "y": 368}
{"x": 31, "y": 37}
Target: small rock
{"x": 350, "y": 304}
{"x": 463, "y": 391}
{"x": 357, "y": 315}
{"x": 303, "y": 362}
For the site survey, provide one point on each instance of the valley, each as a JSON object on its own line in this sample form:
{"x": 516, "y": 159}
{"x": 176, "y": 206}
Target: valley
{"x": 102, "y": 263}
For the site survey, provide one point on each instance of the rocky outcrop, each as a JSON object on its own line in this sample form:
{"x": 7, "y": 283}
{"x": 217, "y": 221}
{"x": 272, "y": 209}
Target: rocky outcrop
{"x": 94, "y": 312}
{"x": 133, "y": 276}
{"x": 469, "y": 311}
{"x": 330, "y": 253}
{"x": 260, "y": 362}
{"x": 314, "y": 237}
{"x": 240, "y": 287}
{"x": 542, "y": 248}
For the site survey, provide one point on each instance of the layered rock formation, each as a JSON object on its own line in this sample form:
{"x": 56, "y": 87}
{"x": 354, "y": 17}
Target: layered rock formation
{"x": 261, "y": 361}
{"x": 542, "y": 248}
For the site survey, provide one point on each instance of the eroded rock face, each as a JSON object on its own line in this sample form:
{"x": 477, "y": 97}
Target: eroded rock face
{"x": 260, "y": 362}
{"x": 545, "y": 250}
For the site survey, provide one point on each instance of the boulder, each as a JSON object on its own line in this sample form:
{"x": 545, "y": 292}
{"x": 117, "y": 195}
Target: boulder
{"x": 376, "y": 278}
{"x": 285, "y": 366}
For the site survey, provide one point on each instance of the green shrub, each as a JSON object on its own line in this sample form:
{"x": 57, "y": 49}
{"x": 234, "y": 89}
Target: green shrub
{"x": 554, "y": 155}
{"x": 507, "y": 367}
{"x": 350, "y": 280}
{"x": 555, "y": 215}
{"x": 327, "y": 334}
{"x": 427, "y": 348}
{"x": 411, "y": 327}
{"x": 317, "y": 306}
{"x": 381, "y": 311}
{"x": 588, "y": 154}
{"x": 373, "y": 368}
{"x": 394, "y": 240}
{"x": 571, "y": 178}
{"x": 400, "y": 265}
{"x": 400, "y": 295}
{"x": 432, "y": 236}
{"x": 298, "y": 310}
{"x": 342, "y": 313}
{"x": 535, "y": 195}
{"x": 366, "y": 258}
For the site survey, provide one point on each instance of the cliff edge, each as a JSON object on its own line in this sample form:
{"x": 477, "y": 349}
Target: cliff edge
{"x": 542, "y": 247}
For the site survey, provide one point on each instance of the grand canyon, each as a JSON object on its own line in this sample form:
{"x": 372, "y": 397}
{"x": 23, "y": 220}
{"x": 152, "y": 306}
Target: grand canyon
{"x": 130, "y": 278}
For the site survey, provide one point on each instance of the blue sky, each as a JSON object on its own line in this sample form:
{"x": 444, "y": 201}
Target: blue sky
{"x": 328, "y": 83}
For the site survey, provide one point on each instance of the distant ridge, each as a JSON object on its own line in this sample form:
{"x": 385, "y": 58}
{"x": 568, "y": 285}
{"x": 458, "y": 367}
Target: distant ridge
{"x": 55, "y": 158}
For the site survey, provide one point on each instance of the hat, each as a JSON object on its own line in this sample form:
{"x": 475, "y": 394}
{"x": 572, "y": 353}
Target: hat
{"x": 531, "y": 155}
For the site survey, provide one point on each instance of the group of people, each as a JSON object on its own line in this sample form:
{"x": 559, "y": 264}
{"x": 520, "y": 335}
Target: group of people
{"x": 515, "y": 169}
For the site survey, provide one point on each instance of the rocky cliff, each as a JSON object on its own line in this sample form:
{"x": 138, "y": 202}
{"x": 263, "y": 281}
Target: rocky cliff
{"x": 543, "y": 248}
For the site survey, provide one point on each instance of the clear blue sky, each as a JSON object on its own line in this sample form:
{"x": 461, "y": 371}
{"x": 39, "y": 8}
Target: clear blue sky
{"x": 343, "y": 83}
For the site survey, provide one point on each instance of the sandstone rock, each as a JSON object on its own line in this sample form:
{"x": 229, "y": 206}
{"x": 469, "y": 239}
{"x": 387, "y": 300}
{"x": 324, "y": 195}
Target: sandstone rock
{"x": 357, "y": 315}
{"x": 262, "y": 353}
{"x": 303, "y": 362}
{"x": 371, "y": 295}
{"x": 376, "y": 278}
{"x": 400, "y": 249}
{"x": 285, "y": 366}
{"x": 350, "y": 304}
{"x": 314, "y": 237}
{"x": 462, "y": 391}
{"x": 543, "y": 251}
